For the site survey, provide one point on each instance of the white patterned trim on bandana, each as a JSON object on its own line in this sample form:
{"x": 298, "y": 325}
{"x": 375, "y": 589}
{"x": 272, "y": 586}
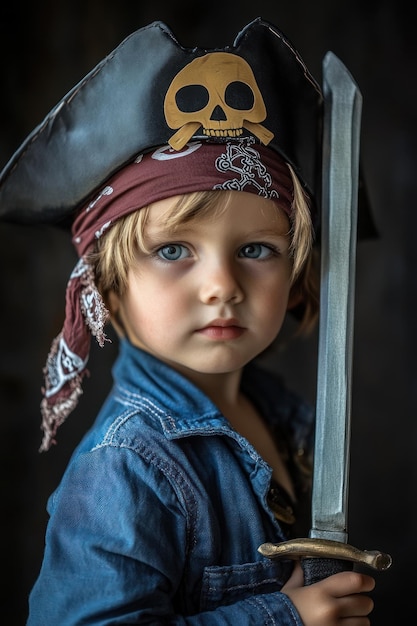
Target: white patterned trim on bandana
{"x": 62, "y": 366}
{"x": 245, "y": 161}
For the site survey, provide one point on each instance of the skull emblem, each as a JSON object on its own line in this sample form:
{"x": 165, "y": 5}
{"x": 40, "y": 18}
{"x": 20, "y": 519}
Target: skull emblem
{"x": 219, "y": 93}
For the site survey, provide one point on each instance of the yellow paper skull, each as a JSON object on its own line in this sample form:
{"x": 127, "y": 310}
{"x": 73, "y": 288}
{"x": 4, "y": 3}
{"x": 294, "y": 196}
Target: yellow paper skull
{"x": 219, "y": 93}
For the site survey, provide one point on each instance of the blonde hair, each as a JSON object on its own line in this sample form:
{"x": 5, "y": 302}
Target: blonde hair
{"x": 115, "y": 252}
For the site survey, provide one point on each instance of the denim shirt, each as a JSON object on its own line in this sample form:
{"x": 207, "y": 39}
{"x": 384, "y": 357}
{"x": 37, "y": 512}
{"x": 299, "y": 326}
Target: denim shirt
{"x": 161, "y": 510}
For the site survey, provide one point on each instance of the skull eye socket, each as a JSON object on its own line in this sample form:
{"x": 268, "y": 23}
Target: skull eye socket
{"x": 192, "y": 98}
{"x": 239, "y": 96}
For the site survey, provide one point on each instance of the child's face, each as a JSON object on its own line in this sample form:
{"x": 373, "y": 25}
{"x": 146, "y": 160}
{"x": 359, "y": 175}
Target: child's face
{"x": 213, "y": 294}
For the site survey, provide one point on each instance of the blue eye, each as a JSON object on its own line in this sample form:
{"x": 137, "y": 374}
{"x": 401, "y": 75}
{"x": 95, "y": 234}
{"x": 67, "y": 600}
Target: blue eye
{"x": 255, "y": 251}
{"x": 173, "y": 252}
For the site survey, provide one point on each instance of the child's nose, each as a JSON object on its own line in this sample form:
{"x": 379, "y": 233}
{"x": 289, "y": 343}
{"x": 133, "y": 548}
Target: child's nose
{"x": 220, "y": 284}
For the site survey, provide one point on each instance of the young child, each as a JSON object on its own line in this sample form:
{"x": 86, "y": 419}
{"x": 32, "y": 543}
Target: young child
{"x": 189, "y": 178}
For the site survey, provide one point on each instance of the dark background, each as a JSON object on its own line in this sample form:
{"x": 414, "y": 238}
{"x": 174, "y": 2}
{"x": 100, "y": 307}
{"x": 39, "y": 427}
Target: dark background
{"x": 45, "y": 48}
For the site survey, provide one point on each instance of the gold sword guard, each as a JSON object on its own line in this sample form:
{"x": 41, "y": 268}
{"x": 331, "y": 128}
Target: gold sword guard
{"x": 326, "y": 548}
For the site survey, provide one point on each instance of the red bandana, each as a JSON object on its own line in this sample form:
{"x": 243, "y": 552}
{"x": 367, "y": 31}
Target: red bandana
{"x": 163, "y": 173}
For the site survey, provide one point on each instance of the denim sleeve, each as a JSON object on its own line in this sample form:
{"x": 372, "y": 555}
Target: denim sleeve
{"x": 274, "y": 609}
{"x": 106, "y": 562}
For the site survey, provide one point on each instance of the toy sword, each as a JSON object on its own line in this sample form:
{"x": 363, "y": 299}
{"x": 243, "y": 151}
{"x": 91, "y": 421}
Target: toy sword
{"x": 326, "y": 551}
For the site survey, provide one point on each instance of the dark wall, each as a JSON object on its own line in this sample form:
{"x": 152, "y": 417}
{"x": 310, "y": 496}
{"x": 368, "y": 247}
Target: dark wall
{"x": 45, "y": 48}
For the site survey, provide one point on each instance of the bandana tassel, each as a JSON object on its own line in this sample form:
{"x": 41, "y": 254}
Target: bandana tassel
{"x": 54, "y": 415}
{"x": 66, "y": 363}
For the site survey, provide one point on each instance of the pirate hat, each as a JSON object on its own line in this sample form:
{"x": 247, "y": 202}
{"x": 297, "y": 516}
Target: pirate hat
{"x": 151, "y": 91}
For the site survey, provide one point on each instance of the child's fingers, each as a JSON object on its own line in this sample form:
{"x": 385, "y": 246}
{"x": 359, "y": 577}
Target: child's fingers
{"x": 356, "y": 605}
{"x": 348, "y": 583}
{"x": 296, "y": 579}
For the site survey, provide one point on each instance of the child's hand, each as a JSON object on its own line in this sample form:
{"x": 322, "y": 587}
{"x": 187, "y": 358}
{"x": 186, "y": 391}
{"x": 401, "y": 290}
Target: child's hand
{"x": 336, "y": 600}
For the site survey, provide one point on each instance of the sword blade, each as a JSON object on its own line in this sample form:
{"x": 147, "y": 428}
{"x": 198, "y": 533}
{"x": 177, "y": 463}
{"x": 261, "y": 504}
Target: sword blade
{"x": 327, "y": 551}
{"x": 341, "y": 138}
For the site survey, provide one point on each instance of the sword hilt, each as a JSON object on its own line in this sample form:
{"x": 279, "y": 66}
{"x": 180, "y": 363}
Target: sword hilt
{"x": 324, "y": 557}
{"x": 316, "y": 569}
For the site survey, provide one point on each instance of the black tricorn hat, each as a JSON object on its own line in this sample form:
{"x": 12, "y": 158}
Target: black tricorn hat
{"x": 151, "y": 91}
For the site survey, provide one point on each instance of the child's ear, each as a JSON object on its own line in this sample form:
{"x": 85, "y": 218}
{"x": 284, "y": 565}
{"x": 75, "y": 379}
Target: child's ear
{"x": 295, "y": 297}
{"x": 113, "y": 305}
{"x": 112, "y": 302}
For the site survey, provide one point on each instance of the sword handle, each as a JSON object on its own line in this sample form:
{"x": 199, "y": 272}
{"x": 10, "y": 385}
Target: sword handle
{"x": 316, "y": 569}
